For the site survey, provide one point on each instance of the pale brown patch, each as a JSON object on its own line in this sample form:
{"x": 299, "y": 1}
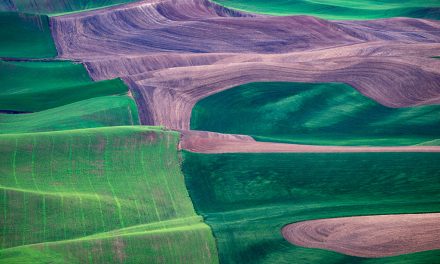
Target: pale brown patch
{"x": 118, "y": 249}
{"x": 369, "y": 236}
{"x": 210, "y": 142}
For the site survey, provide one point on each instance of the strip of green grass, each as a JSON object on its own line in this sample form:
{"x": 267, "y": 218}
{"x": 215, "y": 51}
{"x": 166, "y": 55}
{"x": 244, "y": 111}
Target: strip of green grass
{"x": 319, "y": 114}
{"x": 340, "y": 9}
{"x": 248, "y": 198}
{"x": 36, "y": 86}
{"x": 57, "y": 6}
{"x": 107, "y": 195}
{"x": 95, "y": 112}
{"x": 25, "y": 36}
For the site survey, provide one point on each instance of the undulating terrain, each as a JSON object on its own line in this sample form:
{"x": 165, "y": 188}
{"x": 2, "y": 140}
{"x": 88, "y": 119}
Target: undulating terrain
{"x": 225, "y": 131}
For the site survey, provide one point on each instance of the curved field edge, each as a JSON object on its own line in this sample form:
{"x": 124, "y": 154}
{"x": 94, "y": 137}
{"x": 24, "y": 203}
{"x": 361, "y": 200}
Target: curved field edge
{"x": 340, "y": 10}
{"x": 316, "y": 114}
{"x": 31, "y": 86}
{"x": 368, "y": 236}
{"x": 248, "y": 198}
{"x": 112, "y": 194}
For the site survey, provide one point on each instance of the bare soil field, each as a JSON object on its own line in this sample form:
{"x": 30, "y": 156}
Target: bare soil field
{"x": 173, "y": 54}
{"x": 369, "y": 236}
{"x": 210, "y": 142}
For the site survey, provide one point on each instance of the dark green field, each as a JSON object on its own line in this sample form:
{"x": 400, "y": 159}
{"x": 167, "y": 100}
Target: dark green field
{"x": 319, "y": 114}
{"x": 25, "y": 36}
{"x": 247, "y": 198}
{"x": 340, "y": 9}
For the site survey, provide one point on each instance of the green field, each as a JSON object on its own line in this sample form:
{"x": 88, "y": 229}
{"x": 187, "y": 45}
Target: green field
{"x": 25, "y": 36}
{"x": 340, "y": 9}
{"x": 95, "y": 112}
{"x": 57, "y": 6}
{"x": 36, "y": 86}
{"x": 319, "y": 114}
{"x": 107, "y": 195}
{"x": 247, "y": 198}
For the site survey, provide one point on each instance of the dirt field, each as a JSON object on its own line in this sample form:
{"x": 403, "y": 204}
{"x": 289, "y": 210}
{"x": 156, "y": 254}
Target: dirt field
{"x": 218, "y": 48}
{"x": 209, "y": 142}
{"x": 369, "y": 236}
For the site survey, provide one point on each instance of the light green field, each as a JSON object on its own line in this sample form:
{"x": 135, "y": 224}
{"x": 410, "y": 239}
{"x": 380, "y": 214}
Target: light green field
{"x": 96, "y": 112}
{"x": 107, "y": 195}
{"x": 340, "y": 9}
{"x": 248, "y": 198}
{"x": 57, "y": 6}
{"x": 36, "y": 86}
{"x": 25, "y": 36}
{"x": 318, "y": 114}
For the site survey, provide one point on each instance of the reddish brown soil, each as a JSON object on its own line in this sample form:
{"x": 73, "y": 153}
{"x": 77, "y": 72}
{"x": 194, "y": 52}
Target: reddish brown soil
{"x": 368, "y": 236}
{"x": 174, "y": 53}
{"x": 209, "y": 142}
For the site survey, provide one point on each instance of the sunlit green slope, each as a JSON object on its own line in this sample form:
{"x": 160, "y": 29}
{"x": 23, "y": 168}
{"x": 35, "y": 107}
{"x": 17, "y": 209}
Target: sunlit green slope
{"x": 340, "y": 9}
{"x": 96, "y": 112}
{"x": 248, "y": 198}
{"x": 107, "y": 195}
{"x": 25, "y": 36}
{"x": 35, "y": 86}
{"x": 321, "y": 114}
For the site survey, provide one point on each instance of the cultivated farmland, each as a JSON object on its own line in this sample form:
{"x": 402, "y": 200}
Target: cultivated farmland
{"x": 98, "y": 195}
{"x": 317, "y": 114}
{"x": 56, "y": 7}
{"x": 30, "y": 86}
{"x": 25, "y": 36}
{"x": 95, "y": 112}
{"x": 187, "y": 131}
{"x": 345, "y": 9}
{"x": 248, "y": 198}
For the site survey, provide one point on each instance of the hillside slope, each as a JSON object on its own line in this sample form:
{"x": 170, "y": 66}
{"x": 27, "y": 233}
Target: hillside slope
{"x": 118, "y": 192}
{"x": 318, "y": 114}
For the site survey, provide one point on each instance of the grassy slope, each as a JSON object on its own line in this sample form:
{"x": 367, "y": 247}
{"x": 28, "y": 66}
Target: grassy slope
{"x": 247, "y": 198}
{"x": 108, "y": 195}
{"x": 95, "y": 112}
{"x": 57, "y": 6}
{"x": 36, "y": 86}
{"x": 64, "y": 96}
{"x": 325, "y": 114}
{"x": 340, "y": 9}
{"x": 25, "y": 36}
